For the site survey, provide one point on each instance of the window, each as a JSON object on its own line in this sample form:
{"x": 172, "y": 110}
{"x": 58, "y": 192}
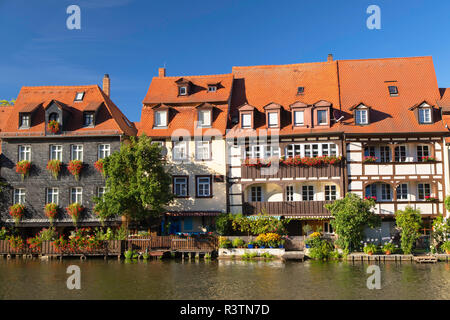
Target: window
{"x": 212, "y": 88}
{"x": 246, "y": 120}
{"x": 101, "y": 192}
{"x": 180, "y": 186}
{"x": 203, "y": 150}
{"x": 182, "y": 91}
{"x": 299, "y": 118}
{"x": 311, "y": 150}
{"x": 25, "y": 121}
{"x": 322, "y": 117}
{"x": 19, "y": 196}
{"x": 204, "y": 118}
{"x": 104, "y": 150}
{"x": 361, "y": 116}
{"x": 371, "y": 190}
{"x": 160, "y": 118}
{"x": 53, "y": 117}
{"x": 88, "y": 119}
{"x": 79, "y": 96}
{"x": 422, "y": 151}
{"x": 425, "y": 115}
{"x": 262, "y": 151}
{"x": 402, "y": 191}
{"x": 76, "y": 195}
{"x": 386, "y": 192}
{"x": 203, "y": 186}
{"x": 77, "y": 152}
{"x": 424, "y": 190}
{"x": 24, "y": 153}
{"x": 369, "y": 151}
{"x": 330, "y": 193}
{"x": 327, "y": 228}
{"x": 400, "y": 154}
{"x": 385, "y": 154}
{"x": 307, "y": 193}
{"x": 273, "y": 119}
{"x": 180, "y": 151}
{"x": 300, "y": 90}
{"x": 56, "y": 152}
{"x": 53, "y": 195}
{"x": 187, "y": 223}
{"x": 393, "y": 90}
{"x": 289, "y": 193}
{"x": 256, "y": 194}
{"x": 315, "y": 150}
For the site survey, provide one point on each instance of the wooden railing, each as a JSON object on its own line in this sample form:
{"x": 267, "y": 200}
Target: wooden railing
{"x": 286, "y": 171}
{"x": 174, "y": 243}
{"x": 288, "y": 208}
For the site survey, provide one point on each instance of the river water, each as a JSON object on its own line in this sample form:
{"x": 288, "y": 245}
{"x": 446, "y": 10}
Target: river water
{"x": 172, "y": 279}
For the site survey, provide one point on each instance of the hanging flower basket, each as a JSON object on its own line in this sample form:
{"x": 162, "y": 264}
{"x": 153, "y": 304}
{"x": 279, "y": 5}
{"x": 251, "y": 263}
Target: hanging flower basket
{"x": 16, "y": 211}
{"x": 99, "y": 166}
{"x": 23, "y": 168}
{"x": 54, "y": 166}
{"x": 53, "y": 126}
{"x": 51, "y": 211}
{"x": 74, "y": 210}
{"x": 75, "y": 167}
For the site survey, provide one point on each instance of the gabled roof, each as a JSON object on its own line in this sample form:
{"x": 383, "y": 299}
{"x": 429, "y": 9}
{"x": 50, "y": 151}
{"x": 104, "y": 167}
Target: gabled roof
{"x": 110, "y": 120}
{"x": 368, "y": 81}
{"x": 444, "y": 101}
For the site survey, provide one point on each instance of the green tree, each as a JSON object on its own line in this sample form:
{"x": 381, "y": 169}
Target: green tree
{"x": 409, "y": 222}
{"x": 138, "y": 185}
{"x": 5, "y": 103}
{"x": 441, "y": 231}
{"x": 224, "y": 224}
{"x": 351, "y": 215}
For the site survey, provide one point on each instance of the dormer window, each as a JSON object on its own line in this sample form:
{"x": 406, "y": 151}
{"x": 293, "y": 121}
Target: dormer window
{"x": 393, "y": 90}
{"x": 25, "y": 121}
{"x": 424, "y": 115}
{"x": 361, "y": 116}
{"x": 321, "y": 117}
{"x": 161, "y": 118}
{"x": 212, "y": 88}
{"x": 246, "y": 120}
{"x": 300, "y": 90}
{"x": 79, "y": 96}
{"x": 182, "y": 91}
{"x": 273, "y": 119}
{"x": 204, "y": 118}
{"x": 53, "y": 117}
{"x": 88, "y": 119}
{"x": 299, "y": 118}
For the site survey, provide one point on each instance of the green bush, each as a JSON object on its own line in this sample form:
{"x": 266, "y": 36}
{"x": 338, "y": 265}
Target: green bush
{"x": 321, "y": 251}
{"x": 238, "y": 243}
{"x": 130, "y": 254}
{"x": 225, "y": 243}
{"x": 267, "y": 255}
{"x": 446, "y": 246}
{"x": 224, "y": 224}
{"x": 370, "y": 248}
{"x": 409, "y": 221}
{"x": 388, "y": 247}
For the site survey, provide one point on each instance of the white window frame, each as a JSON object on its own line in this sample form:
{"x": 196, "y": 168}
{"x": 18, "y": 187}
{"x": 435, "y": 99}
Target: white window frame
{"x": 88, "y": 115}
{"x": 385, "y": 196}
{"x": 25, "y": 121}
{"x": 259, "y": 151}
{"x": 182, "y": 184}
{"x": 289, "y": 192}
{"x": 104, "y": 151}
{"x": 330, "y": 192}
{"x": 56, "y": 151}
{"x": 79, "y": 96}
{"x": 212, "y": 88}
{"x": 19, "y": 196}
{"x": 326, "y": 117}
{"x": 204, "y": 118}
{"x": 402, "y": 191}
{"x": 182, "y": 91}
{"x": 180, "y": 150}
{"x": 203, "y": 150}
{"x": 309, "y": 189}
{"x": 256, "y": 194}
{"x": 400, "y": 147}
{"x": 425, "y": 115}
{"x": 361, "y": 116}
{"x": 52, "y": 195}
{"x": 297, "y": 114}
{"x": 24, "y": 152}
{"x": 203, "y": 187}
{"x": 76, "y": 152}
{"x": 424, "y": 150}
{"x": 273, "y": 120}
{"x": 246, "y": 120}
{"x": 308, "y": 149}
{"x": 101, "y": 192}
{"x": 76, "y": 195}
{"x": 161, "y": 119}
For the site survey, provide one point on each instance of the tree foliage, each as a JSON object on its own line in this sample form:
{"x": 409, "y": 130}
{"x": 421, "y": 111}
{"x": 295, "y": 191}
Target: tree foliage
{"x": 4, "y": 103}
{"x": 351, "y": 214}
{"x": 409, "y": 222}
{"x": 137, "y": 183}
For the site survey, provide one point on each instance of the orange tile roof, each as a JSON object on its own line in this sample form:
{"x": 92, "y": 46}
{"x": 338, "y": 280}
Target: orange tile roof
{"x": 110, "y": 120}
{"x": 444, "y": 101}
{"x": 183, "y": 111}
{"x": 261, "y": 85}
{"x": 367, "y": 81}
{"x": 5, "y": 113}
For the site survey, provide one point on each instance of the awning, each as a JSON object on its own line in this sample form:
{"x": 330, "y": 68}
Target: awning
{"x": 263, "y": 216}
{"x": 194, "y": 213}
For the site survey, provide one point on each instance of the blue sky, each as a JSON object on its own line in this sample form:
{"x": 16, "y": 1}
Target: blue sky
{"x": 129, "y": 39}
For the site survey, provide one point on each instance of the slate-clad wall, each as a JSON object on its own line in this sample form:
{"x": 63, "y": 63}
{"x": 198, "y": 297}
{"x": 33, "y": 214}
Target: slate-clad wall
{"x": 39, "y": 178}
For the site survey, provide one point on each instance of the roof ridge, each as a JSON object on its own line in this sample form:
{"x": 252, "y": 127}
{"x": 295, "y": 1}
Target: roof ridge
{"x": 391, "y": 58}
{"x": 196, "y": 76}
{"x": 282, "y": 65}
{"x": 58, "y": 87}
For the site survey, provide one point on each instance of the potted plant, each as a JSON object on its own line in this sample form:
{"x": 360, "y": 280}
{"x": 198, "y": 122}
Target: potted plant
{"x": 74, "y": 168}
{"x": 388, "y": 248}
{"x": 370, "y": 249}
{"x": 23, "y": 168}
{"x": 225, "y": 243}
{"x": 446, "y": 247}
{"x": 74, "y": 210}
{"x": 51, "y": 210}
{"x": 16, "y": 211}
{"x": 99, "y": 166}
{"x": 54, "y": 166}
{"x": 428, "y": 159}
{"x": 53, "y": 126}
{"x": 238, "y": 243}
{"x": 251, "y": 244}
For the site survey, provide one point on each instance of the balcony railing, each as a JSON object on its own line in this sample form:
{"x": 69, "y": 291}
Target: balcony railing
{"x": 287, "y": 171}
{"x": 288, "y": 208}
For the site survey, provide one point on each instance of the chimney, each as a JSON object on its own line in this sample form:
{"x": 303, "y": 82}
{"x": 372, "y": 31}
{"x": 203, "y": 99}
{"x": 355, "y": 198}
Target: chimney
{"x": 162, "y": 72}
{"x": 106, "y": 84}
{"x": 330, "y": 57}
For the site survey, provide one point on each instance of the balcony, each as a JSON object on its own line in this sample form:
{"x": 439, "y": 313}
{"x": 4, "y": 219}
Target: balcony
{"x": 288, "y": 208}
{"x": 287, "y": 171}
{"x": 402, "y": 168}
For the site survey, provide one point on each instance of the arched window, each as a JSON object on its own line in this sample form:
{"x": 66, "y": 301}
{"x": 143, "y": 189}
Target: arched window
{"x": 53, "y": 116}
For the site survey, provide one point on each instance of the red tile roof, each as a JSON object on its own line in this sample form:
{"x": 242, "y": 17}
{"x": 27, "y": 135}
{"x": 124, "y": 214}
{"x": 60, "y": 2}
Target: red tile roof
{"x": 183, "y": 109}
{"x": 5, "y": 113}
{"x": 110, "y": 120}
{"x": 367, "y": 81}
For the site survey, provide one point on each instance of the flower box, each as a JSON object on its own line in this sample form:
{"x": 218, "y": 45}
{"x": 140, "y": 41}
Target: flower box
{"x": 370, "y": 159}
